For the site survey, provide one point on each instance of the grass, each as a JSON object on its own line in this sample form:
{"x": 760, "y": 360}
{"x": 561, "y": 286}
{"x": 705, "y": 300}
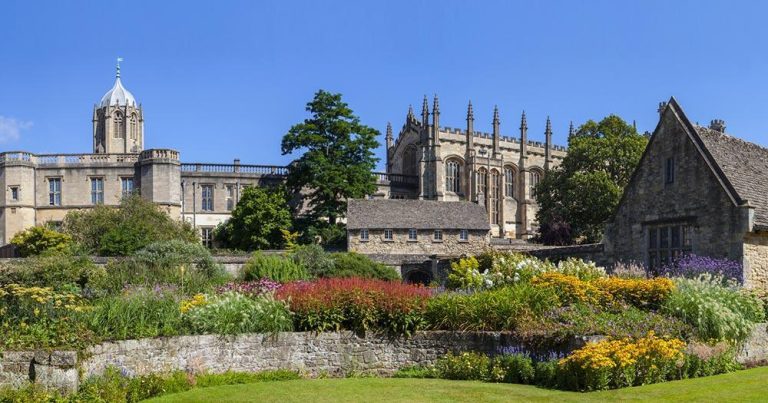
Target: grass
{"x": 741, "y": 386}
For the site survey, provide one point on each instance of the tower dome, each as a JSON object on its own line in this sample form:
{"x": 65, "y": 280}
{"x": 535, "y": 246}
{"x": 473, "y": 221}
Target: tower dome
{"x": 118, "y": 95}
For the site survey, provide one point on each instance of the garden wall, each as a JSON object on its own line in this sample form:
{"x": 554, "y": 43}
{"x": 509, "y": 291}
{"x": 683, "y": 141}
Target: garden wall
{"x": 334, "y": 354}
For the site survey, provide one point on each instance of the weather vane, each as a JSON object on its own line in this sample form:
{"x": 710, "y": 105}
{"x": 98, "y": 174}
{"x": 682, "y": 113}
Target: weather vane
{"x": 119, "y": 59}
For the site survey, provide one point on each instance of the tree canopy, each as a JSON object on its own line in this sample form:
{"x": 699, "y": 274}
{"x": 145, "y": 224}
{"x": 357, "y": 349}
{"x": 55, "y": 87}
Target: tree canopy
{"x": 578, "y": 197}
{"x": 337, "y": 160}
{"x": 257, "y": 220}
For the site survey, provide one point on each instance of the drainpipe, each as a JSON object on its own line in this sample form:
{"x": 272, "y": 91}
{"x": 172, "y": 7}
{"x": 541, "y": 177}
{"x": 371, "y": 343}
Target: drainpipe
{"x": 194, "y": 206}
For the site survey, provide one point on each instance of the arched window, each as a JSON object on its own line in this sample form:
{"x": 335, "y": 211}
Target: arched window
{"x": 509, "y": 182}
{"x": 482, "y": 184}
{"x": 535, "y": 179}
{"x": 119, "y": 126}
{"x": 409, "y": 161}
{"x": 134, "y": 127}
{"x": 495, "y": 196}
{"x": 453, "y": 176}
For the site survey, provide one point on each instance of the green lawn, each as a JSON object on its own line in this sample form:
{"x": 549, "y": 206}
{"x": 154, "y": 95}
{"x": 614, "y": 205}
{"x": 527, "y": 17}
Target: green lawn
{"x": 743, "y": 386}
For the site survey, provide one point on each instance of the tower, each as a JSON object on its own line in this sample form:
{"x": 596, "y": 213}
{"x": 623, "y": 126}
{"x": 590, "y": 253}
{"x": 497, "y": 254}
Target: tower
{"x": 118, "y": 121}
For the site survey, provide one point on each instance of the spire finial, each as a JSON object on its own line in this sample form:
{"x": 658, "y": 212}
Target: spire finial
{"x": 410, "y": 111}
{"x": 425, "y": 106}
{"x": 495, "y": 114}
{"x": 389, "y": 130}
{"x": 470, "y": 112}
{"x": 548, "y": 127}
{"x": 571, "y": 132}
{"x": 523, "y": 122}
{"x": 117, "y": 67}
{"x": 436, "y": 105}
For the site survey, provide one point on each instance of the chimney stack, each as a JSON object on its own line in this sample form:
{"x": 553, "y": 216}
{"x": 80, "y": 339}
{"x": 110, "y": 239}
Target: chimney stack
{"x": 717, "y": 125}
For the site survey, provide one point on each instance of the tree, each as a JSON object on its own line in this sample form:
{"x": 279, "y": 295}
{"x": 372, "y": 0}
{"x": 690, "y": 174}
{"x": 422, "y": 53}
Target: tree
{"x": 120, "y": 231}
{"x": 39, "y": 239}
{"x": 338, "y": 157}
{"x": 257, "y": 220}
{"x": 578, "y": 197}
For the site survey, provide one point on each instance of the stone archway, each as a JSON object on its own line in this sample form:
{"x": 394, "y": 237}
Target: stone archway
{"x": 418, "y": 276}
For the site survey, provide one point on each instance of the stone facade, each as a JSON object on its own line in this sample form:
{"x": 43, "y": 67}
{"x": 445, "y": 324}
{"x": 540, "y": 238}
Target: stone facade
{"x": 425, "y": 244}
{"x": 687, "y": 196}
{"x": 491, "y": 169}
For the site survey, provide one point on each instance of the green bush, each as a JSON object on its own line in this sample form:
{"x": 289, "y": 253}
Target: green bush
{"x": 416, "y": 371}
{"x": 465, "y": 275}
{"x": 187, "y": 266}
{"x": 500, "y": 309}
{"x": 120, "y": 231}
{"x": 546, "y": 374}
{"x": 716, "y": 311}
{"x": 234, "y": 313}
{"x": 513, "y": 368}
{"x": 467, "y": 366}
{"x": 273, "y": 267}
{"x": 350, "y": 264}
{"x": 312, "y": 257}
{"x": 57, "y": 271}
{"x": 135, "y": 314}
{"x": 41, "y": 239}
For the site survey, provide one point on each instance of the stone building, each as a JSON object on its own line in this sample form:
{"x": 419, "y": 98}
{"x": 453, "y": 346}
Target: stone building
{"x": 416, "y": 227}
{"x": 41, "y": 188}
{"x": 450, "y": 164}
{"x": 696, "y": 190}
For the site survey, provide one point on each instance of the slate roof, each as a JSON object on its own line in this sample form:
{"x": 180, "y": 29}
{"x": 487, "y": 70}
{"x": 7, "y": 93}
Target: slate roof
{"x": 418, "y": 214}
{"x": 744, "y": 164}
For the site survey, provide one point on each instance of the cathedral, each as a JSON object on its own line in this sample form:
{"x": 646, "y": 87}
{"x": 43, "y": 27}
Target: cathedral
{"x": 43, "y": 188}
{"x": 449, "y": 164}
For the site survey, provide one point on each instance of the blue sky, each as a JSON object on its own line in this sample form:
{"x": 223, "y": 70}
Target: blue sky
{"x": 226, "y": 79}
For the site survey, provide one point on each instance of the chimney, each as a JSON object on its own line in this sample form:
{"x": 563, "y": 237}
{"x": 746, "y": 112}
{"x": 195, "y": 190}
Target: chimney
{"x": 717, "y": 125}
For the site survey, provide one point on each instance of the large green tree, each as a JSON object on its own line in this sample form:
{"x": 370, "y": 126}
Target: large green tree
{"x": 577, "y": 198}
{"x": 337, "y": 160}
{"x": 256, "y": 221}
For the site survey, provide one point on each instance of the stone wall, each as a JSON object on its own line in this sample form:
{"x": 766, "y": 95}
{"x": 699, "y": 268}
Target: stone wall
{"x": 756, "y": 262}
{"x": 425, "y": 244}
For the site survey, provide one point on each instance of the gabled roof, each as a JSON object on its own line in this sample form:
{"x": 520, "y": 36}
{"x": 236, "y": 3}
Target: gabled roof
{"x": 740, "y": 166}
{"x": 418, "y": 214}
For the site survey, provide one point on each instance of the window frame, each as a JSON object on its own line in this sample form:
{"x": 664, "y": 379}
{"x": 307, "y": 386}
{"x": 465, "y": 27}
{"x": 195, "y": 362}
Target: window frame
{"x": 669, "y": 171}
{"x": 206, "y": 197}
{"x": 437, "y": 235}
{"x": 123, "y": 181}
{"x": 97, "y": 192}
{"x": 667, "y": 242}
{"x": 510, "y": 181}
{"x": 229, "y": 192}
{"x": 453, "y": 176}
{"x": 413, "y": 235}
{"x": 365, "y": 235}
{"x": 463, "y": 235}
{"x": 15, "y": 192}
{"x": 54, "y": 194}
{"x": 389, "y": 235}
{"x": 206, "y": 236}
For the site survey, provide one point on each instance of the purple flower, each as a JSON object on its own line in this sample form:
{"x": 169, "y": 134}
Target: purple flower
{"x": 692, "y": 266}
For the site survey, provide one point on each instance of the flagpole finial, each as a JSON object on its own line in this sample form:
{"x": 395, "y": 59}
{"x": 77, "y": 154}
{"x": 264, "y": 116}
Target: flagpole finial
{"x": 119, "y": 59}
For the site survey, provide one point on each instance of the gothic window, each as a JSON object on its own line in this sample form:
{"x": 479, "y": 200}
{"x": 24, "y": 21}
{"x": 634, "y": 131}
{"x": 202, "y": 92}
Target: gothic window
{"x": 509, "y": 182}
{"x": 453, "y": 176}
{"x": 119, "y": 126}
{"x": 410, "y": 163}
{"x": 134, "y": 127}
{"x": 494, "y": 197}
{"x": 482, "y": 184}
{"x": 535, "y": 179}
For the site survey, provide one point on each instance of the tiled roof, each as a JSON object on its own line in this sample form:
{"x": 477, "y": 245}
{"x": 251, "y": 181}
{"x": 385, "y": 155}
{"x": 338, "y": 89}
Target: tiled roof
{"x": 418, "y": 214}
{"x": 744, "y": 164}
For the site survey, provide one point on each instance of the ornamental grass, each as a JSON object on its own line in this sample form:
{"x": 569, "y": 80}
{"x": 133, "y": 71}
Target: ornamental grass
{"x": 356, "y": 304}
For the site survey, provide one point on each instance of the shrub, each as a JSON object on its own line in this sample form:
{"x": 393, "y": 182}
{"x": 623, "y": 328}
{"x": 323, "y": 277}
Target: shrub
{"x": 350, "y": 264}
{"x": 513, "y": 368}
{"x": 642, "y": 293}
{"x": 620, "y": 363}
{"x": 692, "y": 266}
{"x": 41, "y": 317}
{"x": 187, "y": 266}
{"x": 139, "y": 312}
{"x": 251, "y": 289}
{"x": 578, "y": 268}
{"x": 500, "y": 309}
{"x": 317, "y": 262}
{"x": 273, "y": 267}
{"x": 546, "y": 374}
{"x": 356, "y": 304}
{"x": 233, "y": 313}
{"x": 120, "y": 231}
{"x": 39, "y": 239}
{"x": 716, "y": 311}
{"x": 56, "y": 271}
{"x": 416, "y": 371}
{"x": 257, "y": 220}
{"x": 464, "y": 274}
{"x": 467, "y": 366}
{"x": 570, "y": 289}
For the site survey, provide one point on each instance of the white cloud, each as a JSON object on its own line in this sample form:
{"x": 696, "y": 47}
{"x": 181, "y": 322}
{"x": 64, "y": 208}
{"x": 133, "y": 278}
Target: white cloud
{"x": 11, "y": 128}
